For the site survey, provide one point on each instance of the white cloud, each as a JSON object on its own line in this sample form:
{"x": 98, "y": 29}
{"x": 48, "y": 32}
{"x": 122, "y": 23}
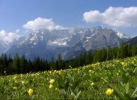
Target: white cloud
{"x": 113, "y": 16}
{"x": 8, "y": 37}
{"x": 41, "y": 24}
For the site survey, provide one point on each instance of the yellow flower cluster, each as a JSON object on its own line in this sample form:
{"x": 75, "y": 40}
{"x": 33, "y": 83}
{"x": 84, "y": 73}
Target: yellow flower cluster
{"x": 123, "y": 64}
{"x": 51, "y": 83}
{"x": 30, "y": 92}
{"x": 50, "y": 86}
{"x": 15, "y": 79}
{"x": 109, "y": 91}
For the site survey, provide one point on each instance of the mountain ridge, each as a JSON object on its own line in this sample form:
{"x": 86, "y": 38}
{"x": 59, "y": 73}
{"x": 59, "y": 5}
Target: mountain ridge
{"x": 67, "y": 42}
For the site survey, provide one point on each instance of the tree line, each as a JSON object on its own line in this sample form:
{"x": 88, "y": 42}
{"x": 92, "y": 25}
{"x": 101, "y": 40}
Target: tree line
{"x": 21, "y": 64}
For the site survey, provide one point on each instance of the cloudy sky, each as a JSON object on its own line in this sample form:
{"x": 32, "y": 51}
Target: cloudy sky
{"x": 19, "y": 15}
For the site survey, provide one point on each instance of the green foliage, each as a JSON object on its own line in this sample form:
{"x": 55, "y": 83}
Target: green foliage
{"x": 20, "y": 64}
{"x": 83, "y": 83}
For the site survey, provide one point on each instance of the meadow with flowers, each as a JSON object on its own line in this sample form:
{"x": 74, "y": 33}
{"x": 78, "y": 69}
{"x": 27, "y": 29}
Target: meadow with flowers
{"x": 115, "y": 79}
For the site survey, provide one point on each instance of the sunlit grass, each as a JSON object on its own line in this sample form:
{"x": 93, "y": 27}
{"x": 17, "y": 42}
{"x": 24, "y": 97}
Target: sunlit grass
{"x": 116, "y": 79}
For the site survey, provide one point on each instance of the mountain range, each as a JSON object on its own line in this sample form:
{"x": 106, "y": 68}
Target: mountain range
{"x": 69, "y": 42}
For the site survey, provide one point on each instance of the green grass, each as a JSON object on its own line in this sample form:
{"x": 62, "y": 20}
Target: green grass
{"x": 87, "y": 82}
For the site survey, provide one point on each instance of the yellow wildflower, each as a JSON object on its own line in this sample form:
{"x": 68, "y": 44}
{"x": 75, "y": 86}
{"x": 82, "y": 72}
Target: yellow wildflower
{"x": 92, "y": 83}
{"x": 123, "y": 64}
{"x": 51, "y": 81}
{"x": 89, "y": 71}
{"x": 23, "y": 82}
{"x": 50, "y": 86}
{"x": 109, "y": 91}
{"x": 30, "y": 92}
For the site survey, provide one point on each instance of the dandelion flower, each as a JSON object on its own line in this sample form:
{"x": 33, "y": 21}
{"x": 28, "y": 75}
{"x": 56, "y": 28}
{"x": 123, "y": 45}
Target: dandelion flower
{"x": 30, "y": 92}
{"x": 109, "y": 91}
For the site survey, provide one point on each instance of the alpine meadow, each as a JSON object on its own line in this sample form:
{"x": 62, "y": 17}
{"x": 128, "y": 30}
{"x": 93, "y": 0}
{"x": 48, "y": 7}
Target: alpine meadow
{"x": 68, "y": 50}
{"x": 114, "y": 79}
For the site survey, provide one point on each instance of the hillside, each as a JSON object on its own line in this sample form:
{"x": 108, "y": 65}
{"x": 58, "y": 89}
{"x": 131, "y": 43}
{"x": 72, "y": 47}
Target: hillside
{"x": 114, "y": 79}
{"x": 132, "y": 41}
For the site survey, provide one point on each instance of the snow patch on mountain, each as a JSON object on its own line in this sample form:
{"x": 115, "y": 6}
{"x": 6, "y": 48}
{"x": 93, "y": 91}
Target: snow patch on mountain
{"x": 68, "y": 42}
{"x": 122, "y": 35}
{"x": 58, "y": 42}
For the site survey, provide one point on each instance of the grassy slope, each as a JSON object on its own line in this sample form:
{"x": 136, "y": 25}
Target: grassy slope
{"x": 121, "y": 75}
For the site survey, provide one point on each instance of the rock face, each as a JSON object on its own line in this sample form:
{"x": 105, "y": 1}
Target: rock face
{"x": 68, "y": 42}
